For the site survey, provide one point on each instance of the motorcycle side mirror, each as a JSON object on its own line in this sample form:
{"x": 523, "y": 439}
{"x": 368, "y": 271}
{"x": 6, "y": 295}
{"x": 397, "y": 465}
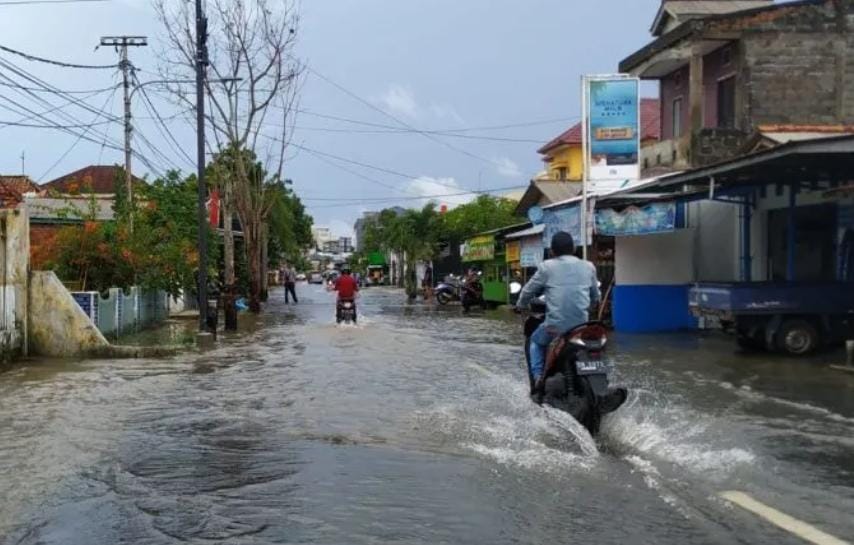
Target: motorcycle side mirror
{"x": 515, "y": 287}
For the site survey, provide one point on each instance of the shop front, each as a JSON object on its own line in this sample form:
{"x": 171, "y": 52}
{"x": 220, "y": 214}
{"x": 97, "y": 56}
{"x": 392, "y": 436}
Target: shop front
{"x": 486, "y": 252}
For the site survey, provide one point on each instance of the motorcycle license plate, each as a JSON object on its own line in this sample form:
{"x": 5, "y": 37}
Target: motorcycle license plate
{"x": 348, "y": 305}
{"x": 592, "y": 367}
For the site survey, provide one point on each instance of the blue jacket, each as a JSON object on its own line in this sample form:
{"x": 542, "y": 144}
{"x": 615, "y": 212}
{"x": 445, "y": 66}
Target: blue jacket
{"x": 569, "y": 285}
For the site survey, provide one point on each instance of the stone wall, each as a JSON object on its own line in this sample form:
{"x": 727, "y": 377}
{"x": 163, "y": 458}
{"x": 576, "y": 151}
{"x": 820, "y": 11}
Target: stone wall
{"x": 710, "y": 146}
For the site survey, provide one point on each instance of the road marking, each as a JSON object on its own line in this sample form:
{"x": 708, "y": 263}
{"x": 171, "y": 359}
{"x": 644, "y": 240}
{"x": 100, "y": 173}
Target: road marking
{"x": 790, "y": 524}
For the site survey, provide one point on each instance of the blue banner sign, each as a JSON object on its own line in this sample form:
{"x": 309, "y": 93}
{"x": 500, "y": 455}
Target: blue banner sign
{"x": 652, "y": 218}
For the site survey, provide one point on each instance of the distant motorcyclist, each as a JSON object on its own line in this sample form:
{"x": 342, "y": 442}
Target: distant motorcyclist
{"x": 346, "y": 285}
{"x": 570, "y": 286}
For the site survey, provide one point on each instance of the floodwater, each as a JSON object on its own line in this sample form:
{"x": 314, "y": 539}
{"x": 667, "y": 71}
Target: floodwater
{"x": 414, "y": 427}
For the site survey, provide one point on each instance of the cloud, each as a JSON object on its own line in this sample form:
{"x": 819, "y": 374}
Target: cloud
{"x": 400, "y": 100}
{"x": 432, "y": 189}
{"x": 507, "y": 167}
{"x": 446, "y": 112}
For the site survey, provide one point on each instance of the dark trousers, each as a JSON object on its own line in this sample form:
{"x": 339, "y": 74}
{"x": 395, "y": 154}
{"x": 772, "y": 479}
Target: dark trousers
{"x": 290, "y": 289}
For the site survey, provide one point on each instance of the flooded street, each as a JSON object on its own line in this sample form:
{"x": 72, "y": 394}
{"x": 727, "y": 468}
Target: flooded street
{"x": 415, "y": 427}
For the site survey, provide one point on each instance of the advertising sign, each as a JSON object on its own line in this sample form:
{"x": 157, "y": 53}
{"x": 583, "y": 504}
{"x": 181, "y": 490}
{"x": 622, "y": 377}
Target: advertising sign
{"x": 531, "y": 254}
{"x": 562, "y": 219}
{"x": 653, "y": 218}
{"x": 612, "y": 135}
{"x": 513, "y": 250}
{"x": 480, "y": 248}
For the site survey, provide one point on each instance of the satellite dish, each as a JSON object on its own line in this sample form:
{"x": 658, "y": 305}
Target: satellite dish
{"x": 535, "y": 215}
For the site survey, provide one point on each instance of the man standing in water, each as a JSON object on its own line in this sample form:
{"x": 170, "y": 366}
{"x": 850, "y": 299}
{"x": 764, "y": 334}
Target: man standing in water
{"x": 570, "y": 286}
{"x": 290, "y": 283}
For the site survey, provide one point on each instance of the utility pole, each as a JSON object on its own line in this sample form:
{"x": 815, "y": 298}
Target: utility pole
{"x": 201, "y": 66}
{"x": 121, "y": 43}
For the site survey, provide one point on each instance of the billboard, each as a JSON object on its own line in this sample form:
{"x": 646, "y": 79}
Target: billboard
{"x": 612, "y": 131}
{"x": 652, "y": 218}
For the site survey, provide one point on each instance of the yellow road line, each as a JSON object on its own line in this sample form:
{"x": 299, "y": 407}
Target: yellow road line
{"x": 788, "y": 523}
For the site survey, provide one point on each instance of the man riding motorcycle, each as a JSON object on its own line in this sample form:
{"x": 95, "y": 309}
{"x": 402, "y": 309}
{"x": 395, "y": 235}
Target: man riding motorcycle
{"x": 347, "y": 288}
{"x": 570, "y": 286}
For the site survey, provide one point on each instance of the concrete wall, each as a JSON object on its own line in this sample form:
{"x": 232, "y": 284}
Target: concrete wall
{"x": 653, "y": 274}
{"x": 58, "y": 327}
{"x": 14, "y": 261}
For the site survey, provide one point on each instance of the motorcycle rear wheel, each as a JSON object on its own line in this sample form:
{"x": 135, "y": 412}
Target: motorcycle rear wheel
{"x": 443, "y": 298}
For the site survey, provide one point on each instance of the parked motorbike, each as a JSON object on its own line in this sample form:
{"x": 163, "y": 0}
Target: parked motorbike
{"x": 345, "y": 311}
{"x": 577, "y": 373}
{"x": 454, "y": 289}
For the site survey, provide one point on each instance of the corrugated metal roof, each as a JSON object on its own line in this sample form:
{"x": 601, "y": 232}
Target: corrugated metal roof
{"x": 529, "y": 232}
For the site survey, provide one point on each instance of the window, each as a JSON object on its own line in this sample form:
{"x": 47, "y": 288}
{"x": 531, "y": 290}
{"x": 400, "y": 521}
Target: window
{"x": 726, "y": 103}
{"x": 726, "y": 56}
{"x": 561, "y": 174}
{"x": 677, "y": 117}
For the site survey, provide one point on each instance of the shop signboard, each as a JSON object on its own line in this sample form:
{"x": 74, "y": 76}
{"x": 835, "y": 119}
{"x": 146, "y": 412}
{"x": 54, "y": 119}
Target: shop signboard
{"x": 480, "y": 248}
{"x": 512, "y": 251}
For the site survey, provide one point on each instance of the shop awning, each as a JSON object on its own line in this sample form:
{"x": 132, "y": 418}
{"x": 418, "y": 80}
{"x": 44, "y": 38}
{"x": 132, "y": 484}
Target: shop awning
{"x": 529, "y": 232}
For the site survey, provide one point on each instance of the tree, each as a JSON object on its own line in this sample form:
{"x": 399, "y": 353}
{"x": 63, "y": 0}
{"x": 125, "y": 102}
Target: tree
{"x": 158, "y": 253}
{"x": 289, "y": 227}
{"x": 482, "y": 214}
{"x": 255, "y": 79}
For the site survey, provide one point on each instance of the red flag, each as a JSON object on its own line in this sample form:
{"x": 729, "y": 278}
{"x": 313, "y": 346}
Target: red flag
{"x": 213, "y": 205}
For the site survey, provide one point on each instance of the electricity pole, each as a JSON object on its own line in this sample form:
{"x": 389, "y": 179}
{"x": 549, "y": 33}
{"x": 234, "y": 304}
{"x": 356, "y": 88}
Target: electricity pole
{"x": 201, "y": 66}
{"x": 121, "y": 43}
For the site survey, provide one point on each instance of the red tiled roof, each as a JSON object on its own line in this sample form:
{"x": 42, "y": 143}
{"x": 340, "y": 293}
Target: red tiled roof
{"x": 99, "y": 179}
{"x": 12, "y": 189}
{"x": 650, "y": 127}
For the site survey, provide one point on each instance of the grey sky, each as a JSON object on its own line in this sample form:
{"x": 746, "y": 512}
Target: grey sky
{"x": 435, "y": 65}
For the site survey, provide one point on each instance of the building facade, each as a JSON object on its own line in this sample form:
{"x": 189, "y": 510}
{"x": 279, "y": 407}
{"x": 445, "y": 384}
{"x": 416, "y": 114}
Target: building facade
{"x": 729, "y": 70}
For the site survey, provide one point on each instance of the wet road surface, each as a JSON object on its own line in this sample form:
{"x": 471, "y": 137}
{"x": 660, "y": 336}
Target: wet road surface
{"x": 414, "y": 427}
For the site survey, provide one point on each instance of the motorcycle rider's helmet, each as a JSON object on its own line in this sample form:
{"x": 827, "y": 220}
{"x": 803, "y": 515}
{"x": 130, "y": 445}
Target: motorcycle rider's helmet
{"x": 562, "y": 244}
{"x": 345, "y": 269}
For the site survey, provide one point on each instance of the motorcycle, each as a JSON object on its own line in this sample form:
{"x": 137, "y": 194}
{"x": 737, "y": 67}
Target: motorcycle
{"x": 577, "y": 374}
{"x": 345, "y": 311}
{"x": 468, "y": 293}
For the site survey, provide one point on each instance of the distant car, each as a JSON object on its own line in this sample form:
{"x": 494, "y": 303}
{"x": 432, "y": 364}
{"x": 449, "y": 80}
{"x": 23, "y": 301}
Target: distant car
{"x": 315, "y": 278}
{"x": 301, "y": 277}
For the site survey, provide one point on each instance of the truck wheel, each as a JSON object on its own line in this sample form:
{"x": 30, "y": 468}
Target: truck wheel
{"x": 797, "y": 337}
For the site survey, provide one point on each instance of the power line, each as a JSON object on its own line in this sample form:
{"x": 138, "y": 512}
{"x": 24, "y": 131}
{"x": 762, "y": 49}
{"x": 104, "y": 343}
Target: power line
{"x": 397, "y": 120}
{"x": 403, "y": 131}
{"x": 38, "y": 126}
{"x": 30, "y": 57}
{"x": 368, "y": 200}
{"x": 439, "y": 131}
{"x": 162, "y": 127}
{"x": 31, "y": 2}
{"x": 74, "y": 144}
{"x": 89, "y": 92}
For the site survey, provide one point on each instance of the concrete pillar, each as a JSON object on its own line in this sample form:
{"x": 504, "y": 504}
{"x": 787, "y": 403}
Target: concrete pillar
{"x": 695, "y": 91}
